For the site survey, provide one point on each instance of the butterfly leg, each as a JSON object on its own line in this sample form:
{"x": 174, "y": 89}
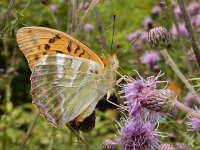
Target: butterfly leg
{"x": 121, "y": 79}
{"x": 108, "y": 96}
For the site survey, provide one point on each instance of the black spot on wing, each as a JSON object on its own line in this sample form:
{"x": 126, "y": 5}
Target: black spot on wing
{"x": 57, "y": 36}
{"x": 69, "y": 46}
{"x": 47, "y": 47}
{"x": 59, "y": 52}
{"x": 52, "y": 40}
{"x": 36, "y": 57}
{"x": 82, "y": 53}
{"x": 77, "y": 49}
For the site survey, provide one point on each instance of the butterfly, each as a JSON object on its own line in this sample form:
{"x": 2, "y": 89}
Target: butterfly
{"x": 68, "y": 78}
{"x": 174, "y": 87}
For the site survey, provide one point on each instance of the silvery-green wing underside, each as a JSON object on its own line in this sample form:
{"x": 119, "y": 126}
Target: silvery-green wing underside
{"x": 64, "y": 86}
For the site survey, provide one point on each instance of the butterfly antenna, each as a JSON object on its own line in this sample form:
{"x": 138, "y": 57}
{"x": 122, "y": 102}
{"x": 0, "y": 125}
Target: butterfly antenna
{"x": 133, "y": 41}
{"x": 113, "y": 33}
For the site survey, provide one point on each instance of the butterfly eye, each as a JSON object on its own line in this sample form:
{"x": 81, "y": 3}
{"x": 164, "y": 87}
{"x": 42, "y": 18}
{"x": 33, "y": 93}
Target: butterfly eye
{"x": 96, "y": 71}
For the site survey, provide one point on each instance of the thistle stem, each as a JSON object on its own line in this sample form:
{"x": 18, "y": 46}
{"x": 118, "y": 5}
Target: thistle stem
{"x": 10, "y": 5}
{"x": 193, "y": 40}
{"x": 53, "y": 133}
{"x": 31, "y": 126}
{"x": 81, "y": 22}
{"x": 182, "y": 40}
{"x": 174, "y": 67}
{"x": 186, "y": 109}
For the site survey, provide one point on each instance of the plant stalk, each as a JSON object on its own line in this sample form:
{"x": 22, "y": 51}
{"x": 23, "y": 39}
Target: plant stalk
{"x": 174, "y": 67}
{"x": 193, "y": 40}
{"x": 186, "y": 109}
{"x": 81, "y": 22}
{"x": 31, "y": 126}
{"x": 5, "y": 19}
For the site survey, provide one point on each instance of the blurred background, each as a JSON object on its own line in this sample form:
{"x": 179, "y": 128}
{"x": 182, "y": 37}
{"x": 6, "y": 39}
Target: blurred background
{"x": 133, "y": 18}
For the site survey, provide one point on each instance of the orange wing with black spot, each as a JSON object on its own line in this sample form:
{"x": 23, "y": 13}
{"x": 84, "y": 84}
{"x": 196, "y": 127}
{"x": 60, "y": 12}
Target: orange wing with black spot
{"x": 35, "y": 42}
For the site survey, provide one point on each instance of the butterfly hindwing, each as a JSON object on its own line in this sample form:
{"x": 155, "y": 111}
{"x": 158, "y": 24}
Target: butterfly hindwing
{"x": 63, "y": 87}
{"x": 35, "y": 42}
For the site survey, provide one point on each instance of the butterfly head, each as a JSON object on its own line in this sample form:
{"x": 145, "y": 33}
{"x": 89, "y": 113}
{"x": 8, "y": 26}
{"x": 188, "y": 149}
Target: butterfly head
{"x": 113, "y": 62}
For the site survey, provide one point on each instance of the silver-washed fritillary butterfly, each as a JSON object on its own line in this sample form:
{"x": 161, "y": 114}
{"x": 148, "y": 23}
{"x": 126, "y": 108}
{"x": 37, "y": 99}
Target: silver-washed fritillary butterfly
{"x": 68, "y": 78}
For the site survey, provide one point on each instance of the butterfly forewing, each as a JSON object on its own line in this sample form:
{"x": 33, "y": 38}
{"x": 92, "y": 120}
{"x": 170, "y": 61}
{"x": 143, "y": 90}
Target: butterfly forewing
{"x": 35, "y": 42}
{"x": 64, "y": 86}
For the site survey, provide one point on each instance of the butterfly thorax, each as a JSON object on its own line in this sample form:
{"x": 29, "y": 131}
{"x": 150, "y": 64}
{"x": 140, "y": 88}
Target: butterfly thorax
{"x": 109, "y": 73}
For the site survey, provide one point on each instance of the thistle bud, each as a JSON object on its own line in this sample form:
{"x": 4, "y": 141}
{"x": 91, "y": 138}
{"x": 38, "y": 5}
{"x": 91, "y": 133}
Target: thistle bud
{"x": 166, "y": 147}
{"x": 160, "y": 101}
{"x": 158, "y": 37}
{"x": 181, "y": 146}
{"x": 108, "y": 145}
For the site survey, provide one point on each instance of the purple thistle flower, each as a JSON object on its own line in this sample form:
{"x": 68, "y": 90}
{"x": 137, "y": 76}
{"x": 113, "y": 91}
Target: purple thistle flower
{"x": 197, "y": 21}
{"x": 138, "y": 135}
{"x": 88, "y": 27}
{"x": 166, "y": 146}
{"x": 193, "y": 8}
{"x": 142, "y": 93}
{"x": 134, "y": 34}
{"x": 147, "y": 23}
{"x": 160, "y": 101}
{"x": 190, "y": 100}
{"x": 155, "y": 10}
{"x": 181, "y": 146}
{"x": 136, "y": 46}
{"x": 177, "y": 12}
{"x": 194, "y": 124}
{"x": 150, "y": 58}
{"x": 108, "y": 145}
{"x": 53, "y": 8}
{"x": 144, "y": 36}
{"x": 183, "y": 31}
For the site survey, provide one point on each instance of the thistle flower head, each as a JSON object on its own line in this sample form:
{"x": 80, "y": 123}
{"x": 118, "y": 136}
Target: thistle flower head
{"x": 53, "y": 8}
{"x": 160, "y": 101}
{"x": 194, "y": 124}
{"x": 181, "y": 146}
{"x": 147, "y": 23}
{"x": 155, "y": 10}
{"x": 133, "y": 35}
{"x": 137, "y": 46}
{"x": 150, "y": 58}
{"x": 166, "y": 147}
{"x": 182, "y": 29}
{"x": 158, "y": 37}
{"x": 108, "y": 145}
{"x": 138, "y": 135}
{"x": 194, "y": 8}
{"x": 177, "y": 12}
{"x": 143, "y": 93}
{"x": 144, "y": 36}
{"x": 88, "y": 27}
{"x": 190, "y": 100}
{"x": 197, "y": 21}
